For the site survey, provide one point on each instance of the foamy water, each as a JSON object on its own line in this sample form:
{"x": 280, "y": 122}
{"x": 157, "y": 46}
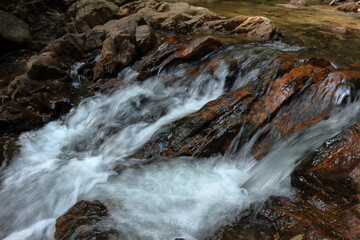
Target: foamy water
{"x": 72, "y": 159}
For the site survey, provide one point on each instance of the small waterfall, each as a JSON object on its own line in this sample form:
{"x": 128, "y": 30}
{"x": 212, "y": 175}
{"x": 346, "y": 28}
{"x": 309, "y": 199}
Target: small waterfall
{"x": 72, "y": 158}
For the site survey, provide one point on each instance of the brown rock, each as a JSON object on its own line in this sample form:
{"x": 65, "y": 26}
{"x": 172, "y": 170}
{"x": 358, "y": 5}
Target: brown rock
{"x": 256, "y": 27}
{"x": 46, "y": 66}
{"x": 67, "y": 48}
{"x": 94, "y": 39}
{"x": 326, "y": 203}
{"x": 211, "y": 129}
{"x": 177, "y": 17}
{"x": 145, "y": 38}
{"x": 85, "y": 220}
{"x": 348, "y": 7}
{"x": 89, "y": 13}
{"x": 15, "y": 118}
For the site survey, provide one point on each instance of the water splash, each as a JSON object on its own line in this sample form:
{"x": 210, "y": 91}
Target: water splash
{"x": 72, "y": 159}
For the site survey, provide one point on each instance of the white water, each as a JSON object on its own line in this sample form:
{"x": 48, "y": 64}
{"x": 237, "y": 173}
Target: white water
{"x": 70, "y": 160}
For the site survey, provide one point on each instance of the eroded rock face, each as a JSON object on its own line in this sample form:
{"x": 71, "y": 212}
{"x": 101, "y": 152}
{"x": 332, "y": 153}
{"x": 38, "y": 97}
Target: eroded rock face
{"x": 13, "y": 31}
{"x": 85, "y": 220}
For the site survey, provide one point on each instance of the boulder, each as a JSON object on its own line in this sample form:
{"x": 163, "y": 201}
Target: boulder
{"x": 46, "y": 66}
{"x": 212, "y": 128}
{"x": 85, "y": 220}
{"x": 68, "y": 48}
{"x": 13, "y": 31}
{"x": 89, "y": 13}
{"x": 94, "y": 39}
{"x": 145, "y": 38}
{"x": 348, "y": 7}
{"x": 255, "y": 27}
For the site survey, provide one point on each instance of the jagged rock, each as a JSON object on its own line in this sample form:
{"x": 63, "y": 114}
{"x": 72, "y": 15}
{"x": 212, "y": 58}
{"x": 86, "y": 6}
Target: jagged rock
{"x": 145, "y": 38}
{"x": 85, "y": 220}
{"x": 314, "y": 106}
{"x": 89, "y": 13}
{"x": 13, "y": 31}
{"x": 348, "y": 7}
{"x": 212, "y": 128}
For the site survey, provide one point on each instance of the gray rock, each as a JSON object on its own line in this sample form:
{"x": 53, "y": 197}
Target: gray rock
{"x": 13, "y": 31}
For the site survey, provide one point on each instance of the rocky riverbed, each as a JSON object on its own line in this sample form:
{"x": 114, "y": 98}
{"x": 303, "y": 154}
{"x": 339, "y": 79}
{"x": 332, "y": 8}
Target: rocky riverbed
{"x": 164, "y": 120}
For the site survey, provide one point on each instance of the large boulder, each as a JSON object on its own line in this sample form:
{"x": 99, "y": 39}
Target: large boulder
{"x": 13, "y": 31}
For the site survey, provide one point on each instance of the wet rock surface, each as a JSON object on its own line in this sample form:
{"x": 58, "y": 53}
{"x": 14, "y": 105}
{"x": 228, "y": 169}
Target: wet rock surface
{"x": 326, "y": 203}
{"x": 85, "y": 220}
{"x": 291, "y": 85}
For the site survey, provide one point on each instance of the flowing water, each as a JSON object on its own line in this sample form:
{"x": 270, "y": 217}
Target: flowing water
{"x": 72, "y": 158}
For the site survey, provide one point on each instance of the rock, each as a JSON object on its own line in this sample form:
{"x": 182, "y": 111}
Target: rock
{"x": 13, "y": 31}
{"x": 90, "y": 13}
{"x": 94, "y": 39}
{"x": 15, "y": 118}
{"x": 325, "y": 203}
{"x": 176, "y": 17}
{"x": 114, "y": 57}
{"x": 212, "y": 128}
{"x": 145, "y": 38}
{"x": 196, "y": 49}
{"x": 348, "y": 7}
{"x": 85, "y": 220}
{"x": 254, "y": 27}
{"x": 339, "y": 30}
{"x": 299, "y": 2}
{"x": 46, "y": 66}
{"x": 68, "y": 48}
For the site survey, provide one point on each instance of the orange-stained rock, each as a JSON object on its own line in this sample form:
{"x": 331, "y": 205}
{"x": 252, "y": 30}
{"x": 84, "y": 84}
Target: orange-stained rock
{"x": 308, "y": 108}
{"x": 295, "y": 87}
{"x": 326, "y": 202}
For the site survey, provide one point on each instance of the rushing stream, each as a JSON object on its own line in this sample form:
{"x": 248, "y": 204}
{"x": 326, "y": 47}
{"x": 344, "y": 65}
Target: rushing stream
{"x": 72, "y": 159}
